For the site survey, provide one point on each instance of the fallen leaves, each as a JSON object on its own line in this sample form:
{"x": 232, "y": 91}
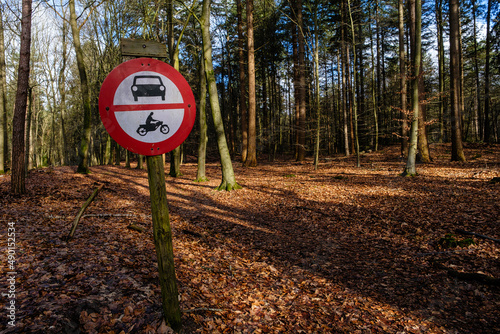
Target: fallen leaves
{"x": 338, "y": 250}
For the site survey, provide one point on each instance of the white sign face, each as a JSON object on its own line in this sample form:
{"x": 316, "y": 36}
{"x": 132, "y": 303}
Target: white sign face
{"x": 145, "y": 88}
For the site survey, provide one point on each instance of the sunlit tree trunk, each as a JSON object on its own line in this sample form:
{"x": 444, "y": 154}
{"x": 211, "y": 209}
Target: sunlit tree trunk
{"x": 402, "y": 80}
{"x": 83, "y": 166}
{"x": 416, "y": 54}
{"x": 202, "y": 121}
{"x": 228, "y": 178}
{"x": 354, "y": 104}
{"x": 301, "y": 131}
{"x": 251, "y": 159}
{"x": 457, "y": 153}
{"x": 477, "y": 104}
{"x": 3, "y": 100}
{"x": 317, "y": 92}
{"x": 343, "y": 52}
{"x": 175, "y": 154}
{"x": 440, "y": 44}
{"x": 242, "y": 98}
{"x": 62, "y": 95}
{"x": 487, "y": 98}
{"x": 18, "y": 185}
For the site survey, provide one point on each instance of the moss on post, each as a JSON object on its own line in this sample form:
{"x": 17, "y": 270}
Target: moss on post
{"x": 163, "y": 241}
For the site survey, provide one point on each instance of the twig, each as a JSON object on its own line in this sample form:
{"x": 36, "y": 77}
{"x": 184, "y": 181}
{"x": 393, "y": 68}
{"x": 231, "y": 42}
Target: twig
{"x": 460, "y": 231}
{"x": 203, "y": 309}
{"x": 84, "y": 207}
{"x": 135, "y": 228}
{"x": 103, "y": 215}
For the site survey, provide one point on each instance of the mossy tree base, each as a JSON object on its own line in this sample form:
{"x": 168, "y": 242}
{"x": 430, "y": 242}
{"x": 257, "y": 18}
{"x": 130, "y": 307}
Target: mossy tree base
{"x": 226, "y": 186}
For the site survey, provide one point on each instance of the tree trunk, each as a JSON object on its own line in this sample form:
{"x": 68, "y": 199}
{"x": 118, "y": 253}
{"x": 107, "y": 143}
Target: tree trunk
{"x": 439, "y": 24}
{"x": 202, "y": 120}
{"x": 3, "y": 101}
{"x": 27, "y": 147}
{"x": 242, "y": 99}
{"x": 487, "y": 101}
{"x": 423, "y": 143}
{"x": 301, "y": 131}
{"x": 354, "y": 104}
{"x": 416, "y": 54}
{"x": 83, "y": 166}
{"x": 402, "y": 81}
{"x": 228, "y": 178}
{"x": 343, "y": 51}
{"x": 251, "y": 160}
{"x": 457, "y": 153}
{"x": 18, "y": 186}
{"x": 477, "y": 104}
{"x": 62, "y": 93}
{"x": 316, "y": 93}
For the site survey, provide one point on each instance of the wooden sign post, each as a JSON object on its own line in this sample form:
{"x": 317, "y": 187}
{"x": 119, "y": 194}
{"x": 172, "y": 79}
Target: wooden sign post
{"x": 148, "y": 108}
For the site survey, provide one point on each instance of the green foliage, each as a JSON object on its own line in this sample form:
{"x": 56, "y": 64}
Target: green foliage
{"x": 289, "y": 175}
{"x": 451, "y": 241}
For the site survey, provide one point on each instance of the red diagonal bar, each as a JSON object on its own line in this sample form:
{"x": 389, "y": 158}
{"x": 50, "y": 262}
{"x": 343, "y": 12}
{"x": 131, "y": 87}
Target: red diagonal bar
{"x": 160, "y": 106}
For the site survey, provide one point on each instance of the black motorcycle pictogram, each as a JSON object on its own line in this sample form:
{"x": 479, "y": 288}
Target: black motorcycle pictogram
{"x": 151, "y": 125}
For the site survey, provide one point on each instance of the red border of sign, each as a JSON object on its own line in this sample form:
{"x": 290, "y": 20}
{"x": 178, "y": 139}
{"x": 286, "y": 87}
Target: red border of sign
{"x": 107, "y": 109}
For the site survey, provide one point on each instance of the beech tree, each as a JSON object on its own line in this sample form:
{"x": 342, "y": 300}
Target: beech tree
{"x": 83, "y": 166}
{"x": 251, "y": 155}
{"x": 18, "y": 186}
{"x": 457, "y": 153}
{"x": 3, "y": 99}
{"x": 228, "y": 179}
{"x": 416, "y": 54}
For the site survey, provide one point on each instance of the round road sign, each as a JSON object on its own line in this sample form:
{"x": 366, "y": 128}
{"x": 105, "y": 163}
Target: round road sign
{"x": 147, "y": 106}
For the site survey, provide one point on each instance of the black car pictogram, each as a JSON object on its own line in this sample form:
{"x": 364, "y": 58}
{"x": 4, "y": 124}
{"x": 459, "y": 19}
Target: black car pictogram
{"x": 148, "y": 86}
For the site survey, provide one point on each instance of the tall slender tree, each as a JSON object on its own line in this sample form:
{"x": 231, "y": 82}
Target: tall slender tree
{"x": 251, "y": 159}
{"x": 3, "y": 99}
{"x": 228, "y": 179}
{"x": 416, "y": 54}
{"x": 441, "y": 56}
{"x": 487, "y": 74}
{"x": 402, "y": 80}
{"x": 242, "y": 97}
{"x": 457, "y": 153}
{"x": 354, "y": 104}
{"x": 301, "y": 130}
{"x": 83, "y": 166}
{"x": 18, "y": 185}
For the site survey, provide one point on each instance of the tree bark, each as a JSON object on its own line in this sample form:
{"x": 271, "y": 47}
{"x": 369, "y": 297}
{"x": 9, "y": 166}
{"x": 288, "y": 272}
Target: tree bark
{"x": 83, "y": 166}
{"x": 3, "y": 100}
{"x": 354, "y": 104}
{"x": 402, "y": 80}
{"x": 175, "y": 154}
{"x": 487, "y": 100}
{"x": 301, "y": 131}
{"x": 228, "y": 179}
{"x": 202, "y": 121}
{"x": 416, "y": 54}
{"x": 477, "y": 104}
{"x": 441, "y": 88}
{"x": 242, "y": 98}
{"x": 457, "y": 153}
{"x": 18, "y": 186}
{"x": 343, "y": 55}
{"x": 251, "y": 159}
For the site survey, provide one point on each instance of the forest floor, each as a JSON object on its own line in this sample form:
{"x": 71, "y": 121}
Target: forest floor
{"x": 335, "y": 250}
